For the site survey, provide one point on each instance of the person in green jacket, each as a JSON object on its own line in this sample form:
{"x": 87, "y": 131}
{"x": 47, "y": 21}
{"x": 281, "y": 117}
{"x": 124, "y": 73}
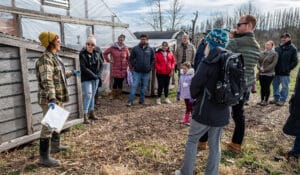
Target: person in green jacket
{"x": 246, "y": 44}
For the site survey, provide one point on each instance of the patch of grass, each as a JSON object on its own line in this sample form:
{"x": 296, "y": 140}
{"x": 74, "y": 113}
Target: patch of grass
{"x": 30, "y": 168}
{"x": 151, "y": 151}
{"x": 79, "y": 127}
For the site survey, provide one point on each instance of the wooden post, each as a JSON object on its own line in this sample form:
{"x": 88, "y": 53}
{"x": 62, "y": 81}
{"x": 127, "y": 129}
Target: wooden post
{"x": 62, "y": 32}
{"x": 24, "y": 70}
{"x": 78, "y": 88}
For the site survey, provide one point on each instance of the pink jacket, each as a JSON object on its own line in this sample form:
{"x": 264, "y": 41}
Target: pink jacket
{"x": 119, "y": 60}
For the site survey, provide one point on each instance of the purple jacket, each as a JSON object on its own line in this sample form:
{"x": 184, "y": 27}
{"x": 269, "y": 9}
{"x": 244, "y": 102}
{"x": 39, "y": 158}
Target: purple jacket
{"x": 185, "y": 83}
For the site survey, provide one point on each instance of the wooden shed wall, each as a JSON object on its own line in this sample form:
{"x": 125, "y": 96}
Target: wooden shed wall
{"x": 20, "y": 114}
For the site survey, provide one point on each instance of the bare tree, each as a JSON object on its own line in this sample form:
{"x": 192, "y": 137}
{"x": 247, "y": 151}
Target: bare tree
{"x": 155, "y": 15}
{"x": 194, "y": 24}
{"x": 175, "y": 15}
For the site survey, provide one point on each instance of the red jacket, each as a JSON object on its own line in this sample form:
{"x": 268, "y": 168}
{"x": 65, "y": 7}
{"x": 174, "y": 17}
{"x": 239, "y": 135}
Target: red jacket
{"x": 119, "y": 60}
{"x": 163, "y": 66}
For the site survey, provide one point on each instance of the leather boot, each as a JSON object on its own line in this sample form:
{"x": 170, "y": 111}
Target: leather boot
{"x": 45, "y": 159}
{"x": 55, "y": 144}
{"x": 186, "y": 119}
{"x": 86, "y": 119}
{"x": 93, "y": 116}
{"x": 234, "y": 147}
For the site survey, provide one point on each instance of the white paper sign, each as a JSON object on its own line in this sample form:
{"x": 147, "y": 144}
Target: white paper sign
{"x": 55, "y": 118}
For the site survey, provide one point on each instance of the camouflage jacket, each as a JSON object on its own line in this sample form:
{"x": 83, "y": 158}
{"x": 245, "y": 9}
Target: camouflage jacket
{"x": 51, "y": 76}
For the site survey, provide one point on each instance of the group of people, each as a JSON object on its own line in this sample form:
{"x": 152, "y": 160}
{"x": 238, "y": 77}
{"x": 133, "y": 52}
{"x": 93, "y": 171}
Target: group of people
{"x": 198, "y": 74}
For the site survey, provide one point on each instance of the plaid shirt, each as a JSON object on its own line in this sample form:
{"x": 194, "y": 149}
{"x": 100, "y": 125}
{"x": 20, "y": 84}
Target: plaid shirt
{"x": 51, "y": 76}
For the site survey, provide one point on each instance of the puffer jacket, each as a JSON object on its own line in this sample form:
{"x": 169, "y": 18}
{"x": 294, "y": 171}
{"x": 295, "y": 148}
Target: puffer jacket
{"x": 247, "y": 45}
{"x": 206, "y": 110}
{"x": 119, "y": 59}
{"x": 185, "y": 83}
{"x": 164, "y": 66}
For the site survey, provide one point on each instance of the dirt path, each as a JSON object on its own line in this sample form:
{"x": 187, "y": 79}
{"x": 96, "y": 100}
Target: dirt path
{"x": 149, "y": 140}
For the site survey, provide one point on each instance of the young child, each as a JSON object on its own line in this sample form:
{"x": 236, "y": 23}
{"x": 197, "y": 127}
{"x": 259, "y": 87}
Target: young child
{"x": 186, "y": 75}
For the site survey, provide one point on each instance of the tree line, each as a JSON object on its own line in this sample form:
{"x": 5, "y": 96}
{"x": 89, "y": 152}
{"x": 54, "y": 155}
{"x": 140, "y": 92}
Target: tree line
{"x": 270, "y": 25}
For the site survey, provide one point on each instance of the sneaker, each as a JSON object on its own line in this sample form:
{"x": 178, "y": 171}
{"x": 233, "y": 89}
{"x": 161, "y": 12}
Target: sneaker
{"x": 158, "y": 101}
{"x": 177, "y": 172}
{"x": 280, "y": 103}
{"x": 142, "y": 103}
{"x": 167, "y": 101}
{"x": 129, "y": 104}
{"x": 260, "y": 103}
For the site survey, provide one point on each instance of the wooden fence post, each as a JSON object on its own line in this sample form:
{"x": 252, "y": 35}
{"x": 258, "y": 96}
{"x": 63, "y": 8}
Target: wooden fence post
{"x": 78, "y": 88}
{"x": 24, "y": 70}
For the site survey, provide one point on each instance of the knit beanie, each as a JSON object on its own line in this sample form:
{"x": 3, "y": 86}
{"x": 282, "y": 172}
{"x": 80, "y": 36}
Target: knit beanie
{"x": 47, "y": 37}
{"x": 217, "y": 37}
{"x": 91, "y": 39}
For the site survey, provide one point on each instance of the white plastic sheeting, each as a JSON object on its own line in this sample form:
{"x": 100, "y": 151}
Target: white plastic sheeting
{"x": 103, "y": 35}
{"x": 29, "y": 4}
{"x": 32, "y": 28}
{"x": 77, "y": 8}
{"x": 76, "y": 35}
{"x": 97, "y": 10}
{"x": 55, "y": 10}
{"x": 6, "y": 3}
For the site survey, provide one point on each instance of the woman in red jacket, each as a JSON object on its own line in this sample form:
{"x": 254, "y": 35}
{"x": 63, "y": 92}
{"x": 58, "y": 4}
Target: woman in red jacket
{"x": 164, "y": 66}
{"x": 119, "y": 57}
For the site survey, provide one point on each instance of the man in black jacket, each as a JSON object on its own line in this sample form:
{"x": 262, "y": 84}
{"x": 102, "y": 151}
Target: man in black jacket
{"x": 287, "y": 60}
{"x": 141, "y": 62}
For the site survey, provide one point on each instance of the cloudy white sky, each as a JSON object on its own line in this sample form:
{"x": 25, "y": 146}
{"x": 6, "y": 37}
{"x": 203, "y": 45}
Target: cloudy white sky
{"x": 133, "y": 11}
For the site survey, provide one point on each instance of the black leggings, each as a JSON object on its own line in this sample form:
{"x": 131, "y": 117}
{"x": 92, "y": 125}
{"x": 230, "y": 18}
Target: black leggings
{"x": 163, "y": 84}
{"x": 118, "y": 83}
{"x": 265, "y": 83}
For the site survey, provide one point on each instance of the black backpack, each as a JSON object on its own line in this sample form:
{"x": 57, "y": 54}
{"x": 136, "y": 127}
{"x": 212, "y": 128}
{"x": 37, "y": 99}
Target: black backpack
{"x": 231, "y": 84}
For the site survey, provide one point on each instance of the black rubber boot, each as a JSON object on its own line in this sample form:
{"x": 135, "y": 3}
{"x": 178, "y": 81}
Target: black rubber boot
{"x": 45, "y": 159}
{"x": 55, "y": 144}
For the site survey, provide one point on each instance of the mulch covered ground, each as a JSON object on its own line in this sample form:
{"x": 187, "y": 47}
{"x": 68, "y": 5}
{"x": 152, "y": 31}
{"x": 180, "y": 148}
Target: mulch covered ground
{"x": 149, "y": 140}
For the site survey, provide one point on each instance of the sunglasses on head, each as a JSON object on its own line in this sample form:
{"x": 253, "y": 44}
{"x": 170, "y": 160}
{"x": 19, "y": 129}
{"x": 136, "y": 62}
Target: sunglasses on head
{"x": 90, "y": 44}
{"x": 239, "y": 24}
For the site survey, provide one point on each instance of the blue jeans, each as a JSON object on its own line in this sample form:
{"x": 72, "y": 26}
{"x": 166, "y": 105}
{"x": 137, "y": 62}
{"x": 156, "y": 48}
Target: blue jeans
{"x": 281, "y": 95}
{"x": 214, "y": 136}
{"x": 142, "y": 78}
{"x": 296, "y": 147}
{"x": 89, "y": 89}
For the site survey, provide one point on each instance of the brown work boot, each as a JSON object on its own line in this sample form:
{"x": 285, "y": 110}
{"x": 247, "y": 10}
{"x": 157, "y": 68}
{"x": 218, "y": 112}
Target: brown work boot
{"x": 93, "y": 116}
{"x": 202, "y": 146}
{"x": 86, "y": 119}
{"x": 234, "y": 147}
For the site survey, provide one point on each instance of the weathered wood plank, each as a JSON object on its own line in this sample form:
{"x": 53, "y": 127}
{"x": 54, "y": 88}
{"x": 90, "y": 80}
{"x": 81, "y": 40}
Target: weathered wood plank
{"x": 27, "y": 100}
{"x": 8, "y": 90}
{"x": 79, "y": 89}
{"x": 28, "y": 138}
{"x": 12, "y": 113}
{"x": 68, "y": 62}
{"x": 13, "y": 125}
{"x": 10, "y": 77}
{"x": 12, "y": 101}
{"x": 33, "y": 85}
{"x": 9, "y": 65}
{"x": 8, "y": 52}
{"x": 14, "y": 135}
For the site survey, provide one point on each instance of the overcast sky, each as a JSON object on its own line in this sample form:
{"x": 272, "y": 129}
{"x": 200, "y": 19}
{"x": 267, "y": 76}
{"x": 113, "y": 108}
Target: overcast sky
{"x": 133, "y": 11}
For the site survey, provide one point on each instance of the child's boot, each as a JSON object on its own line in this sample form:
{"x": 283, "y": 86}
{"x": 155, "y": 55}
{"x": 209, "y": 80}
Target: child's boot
{"x": 186, "y": 119}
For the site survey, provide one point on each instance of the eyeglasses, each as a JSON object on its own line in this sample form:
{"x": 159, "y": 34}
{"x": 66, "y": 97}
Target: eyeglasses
{"x": 239, "y": 24}
{"x": 90, "y": 44}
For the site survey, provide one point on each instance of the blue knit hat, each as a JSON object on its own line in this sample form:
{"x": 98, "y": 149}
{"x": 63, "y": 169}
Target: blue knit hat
{"x": 217, "y": 37}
